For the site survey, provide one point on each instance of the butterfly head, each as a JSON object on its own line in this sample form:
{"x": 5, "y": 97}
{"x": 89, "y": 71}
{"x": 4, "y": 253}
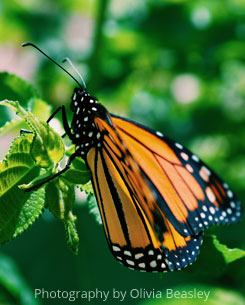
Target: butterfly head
{"x": 81, "y": 99}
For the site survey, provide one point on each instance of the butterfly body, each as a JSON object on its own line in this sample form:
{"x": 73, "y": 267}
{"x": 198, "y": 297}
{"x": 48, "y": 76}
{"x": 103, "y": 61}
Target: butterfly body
{"x": 84, "y": 132}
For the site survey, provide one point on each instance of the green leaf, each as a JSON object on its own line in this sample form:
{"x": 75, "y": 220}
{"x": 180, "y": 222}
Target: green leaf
{"x": 25, "y": 215}
{"x": 88, "y": 188}
{"x": 13, "y": 126}
{"x": 41, "y": 179}
{"x": 47, "y": 146}
{"x": 17, "y": 163}
{"x": 75, "y": 176}
{"x": 40, "y": 109}
{"x": 60, "y": 196}
{"x": 78, "y": 163}
{"x": 71, "y": 233}
{"x": 79, "y": 173}
{"x": 12, "y": 281}
{"x": 230, "y": 255}
{"x": 93, "y": 208}
{"x": 18, "y": 210}
{"x": 70, "y": 150}
{"x": 16, "y": 88}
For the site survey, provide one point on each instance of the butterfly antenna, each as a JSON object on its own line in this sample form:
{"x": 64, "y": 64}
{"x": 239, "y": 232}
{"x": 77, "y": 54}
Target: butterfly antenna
{"x": 75, "y": 69}
{"x": 34, "y": 46}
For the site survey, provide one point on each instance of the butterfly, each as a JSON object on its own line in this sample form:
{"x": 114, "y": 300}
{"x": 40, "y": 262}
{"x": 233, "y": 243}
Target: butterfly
{"x": 155, "y": 197}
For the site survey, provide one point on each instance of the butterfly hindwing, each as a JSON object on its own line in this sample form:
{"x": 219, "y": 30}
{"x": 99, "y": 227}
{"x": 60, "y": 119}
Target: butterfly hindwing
{"x": 130, "y": 236}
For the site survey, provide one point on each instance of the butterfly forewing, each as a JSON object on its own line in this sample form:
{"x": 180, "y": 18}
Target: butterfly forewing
{"x": 190, "y": 194}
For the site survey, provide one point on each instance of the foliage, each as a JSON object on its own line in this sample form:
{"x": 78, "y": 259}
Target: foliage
{"x": 40, "y": 148}
{"x": 14, "y": 283}
{"x": 17, "y": 209}
{"x": 230, "y": 255}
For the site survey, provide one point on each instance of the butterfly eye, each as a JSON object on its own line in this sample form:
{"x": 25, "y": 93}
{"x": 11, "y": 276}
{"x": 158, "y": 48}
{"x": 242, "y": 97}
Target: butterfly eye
{"x": 77, "y": 98}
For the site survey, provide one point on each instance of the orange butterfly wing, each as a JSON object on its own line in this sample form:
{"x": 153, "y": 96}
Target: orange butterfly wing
{"x": 131, "y": 237}
{"x": 190, "y": 194}
{"x": 154, "y": 196}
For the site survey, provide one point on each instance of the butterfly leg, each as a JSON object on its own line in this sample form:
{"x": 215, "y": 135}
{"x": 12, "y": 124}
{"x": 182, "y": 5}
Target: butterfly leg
{"x": 64, "y": 120}
{"x": 54, "y": 114}
{"x": 23, "y": 131}
{"x": 68, "y": 165}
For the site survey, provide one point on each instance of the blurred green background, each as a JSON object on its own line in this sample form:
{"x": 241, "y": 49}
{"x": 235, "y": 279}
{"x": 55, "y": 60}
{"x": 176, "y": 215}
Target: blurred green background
{"x": 176, "y": 66}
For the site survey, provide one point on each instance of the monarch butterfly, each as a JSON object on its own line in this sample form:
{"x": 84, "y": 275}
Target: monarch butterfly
{"x": 155, "y": 197}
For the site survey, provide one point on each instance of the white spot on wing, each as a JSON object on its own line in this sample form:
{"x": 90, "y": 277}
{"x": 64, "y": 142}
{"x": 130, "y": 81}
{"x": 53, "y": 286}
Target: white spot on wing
{"x": 229, "y": 211}
{"x": 153, "y": 264}
{"x": 158, "y": 133}
{"x": 210, "y": 194}
{"x": 178, "y": 145}
{"x": 189, "y": 168}
{"x": 130, "y": 262}
{"x": 139, "y": 255}
{"x": 204, "y": 173}
{"x": 115, "y": 248}
{"x": 184, "y": 156}
{"x": 195, "y": 158}
{"x": 229, "y": 194}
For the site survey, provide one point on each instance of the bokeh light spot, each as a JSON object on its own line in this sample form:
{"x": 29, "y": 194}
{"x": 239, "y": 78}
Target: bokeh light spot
{"x": 186, "y": 88}
{"x": 201, "y": 17}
